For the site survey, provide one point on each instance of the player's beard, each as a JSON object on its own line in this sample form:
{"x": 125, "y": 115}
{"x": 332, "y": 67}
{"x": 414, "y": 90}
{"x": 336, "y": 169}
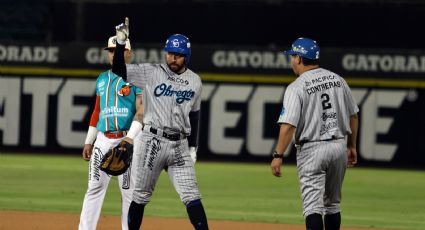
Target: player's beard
{"x": 176, "y": 68}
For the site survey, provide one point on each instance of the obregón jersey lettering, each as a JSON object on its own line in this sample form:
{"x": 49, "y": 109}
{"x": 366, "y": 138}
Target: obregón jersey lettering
{"x": 167, "y": 97}
{"x": 180, "y": 95}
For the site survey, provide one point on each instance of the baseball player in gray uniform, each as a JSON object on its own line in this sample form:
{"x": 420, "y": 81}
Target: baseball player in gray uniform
{"x": 172, "y": 102}
{"x": 319, "y": 111}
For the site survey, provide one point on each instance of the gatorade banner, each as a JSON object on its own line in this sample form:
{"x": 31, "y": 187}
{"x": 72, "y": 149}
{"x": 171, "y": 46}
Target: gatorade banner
{"x": 404, "y": 64}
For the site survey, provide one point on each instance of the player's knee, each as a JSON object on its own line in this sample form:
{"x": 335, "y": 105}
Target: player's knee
{"x": 127, "y": 194}
{"x": 332, "y": 206}
{"x": 190, "y": 199}
{"x": 142, "y": 197}
{"x": 190, "y": 195}
{"x": 96, "y": 188}
{"x": 332, "y": 209}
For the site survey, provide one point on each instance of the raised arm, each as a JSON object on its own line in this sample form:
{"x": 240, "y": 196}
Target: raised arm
{"x": 118, "y": 62}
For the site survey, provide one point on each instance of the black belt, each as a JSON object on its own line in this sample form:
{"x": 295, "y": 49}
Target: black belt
{"x": 308, "y": 141}
{"x": 173, "y": 137}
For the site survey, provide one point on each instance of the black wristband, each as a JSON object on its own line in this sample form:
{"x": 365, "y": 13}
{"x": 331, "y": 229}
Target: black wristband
{"x": 277, "y": 155}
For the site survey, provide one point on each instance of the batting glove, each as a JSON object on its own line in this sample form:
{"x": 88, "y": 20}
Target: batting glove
{"x": 123, "y": 31}
{"x": 192, "y": 152}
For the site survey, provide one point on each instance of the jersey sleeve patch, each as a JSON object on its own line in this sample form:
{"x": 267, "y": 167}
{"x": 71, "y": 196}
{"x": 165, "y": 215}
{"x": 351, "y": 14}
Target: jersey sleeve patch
{"x": 125, "y": 90}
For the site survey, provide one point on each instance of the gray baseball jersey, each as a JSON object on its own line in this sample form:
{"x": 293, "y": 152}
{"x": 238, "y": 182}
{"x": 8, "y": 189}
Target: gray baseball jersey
{"x": 319, "y": 104}
{"x": 168, "y": 98}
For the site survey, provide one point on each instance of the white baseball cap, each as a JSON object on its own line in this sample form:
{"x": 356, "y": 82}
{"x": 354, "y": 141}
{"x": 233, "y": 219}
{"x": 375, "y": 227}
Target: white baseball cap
{"x": 112, "y": 43}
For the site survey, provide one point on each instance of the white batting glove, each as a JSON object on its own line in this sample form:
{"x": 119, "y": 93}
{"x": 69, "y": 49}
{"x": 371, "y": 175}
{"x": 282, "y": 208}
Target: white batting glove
{"x": 123, "y": 31}
{"x": 192, "y": 152}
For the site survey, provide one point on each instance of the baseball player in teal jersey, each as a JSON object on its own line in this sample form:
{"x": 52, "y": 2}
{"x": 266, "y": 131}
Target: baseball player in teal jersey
{"x": 320, "y": 112}
{"x": 172, "y": 104}
{"x": 117, "y": 113}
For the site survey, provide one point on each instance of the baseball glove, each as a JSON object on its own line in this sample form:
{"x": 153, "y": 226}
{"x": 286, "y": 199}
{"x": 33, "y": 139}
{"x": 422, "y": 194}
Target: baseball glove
{"x": 117, "y": 160}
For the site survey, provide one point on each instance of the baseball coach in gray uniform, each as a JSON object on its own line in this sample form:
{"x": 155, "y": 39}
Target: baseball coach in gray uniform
{"x": 172, "y": 104}
{"x": 319, "y": 111}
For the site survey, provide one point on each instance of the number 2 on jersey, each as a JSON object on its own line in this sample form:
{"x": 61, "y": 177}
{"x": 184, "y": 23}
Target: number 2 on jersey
{"x": 325, "y": 101}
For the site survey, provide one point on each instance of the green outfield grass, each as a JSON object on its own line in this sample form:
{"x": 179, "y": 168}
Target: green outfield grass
{"x": 244, "y": 192}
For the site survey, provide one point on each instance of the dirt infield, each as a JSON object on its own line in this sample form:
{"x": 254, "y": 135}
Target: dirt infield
{"x": 12, "y": 220}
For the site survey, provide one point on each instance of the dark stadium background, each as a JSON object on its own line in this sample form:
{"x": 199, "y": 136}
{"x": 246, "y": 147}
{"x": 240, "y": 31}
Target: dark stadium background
{"x": 337, "y": 23}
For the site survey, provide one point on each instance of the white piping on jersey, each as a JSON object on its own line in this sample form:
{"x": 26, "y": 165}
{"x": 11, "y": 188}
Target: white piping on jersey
{"x": 106, "y": 100}
{"x": 116, "y": 103}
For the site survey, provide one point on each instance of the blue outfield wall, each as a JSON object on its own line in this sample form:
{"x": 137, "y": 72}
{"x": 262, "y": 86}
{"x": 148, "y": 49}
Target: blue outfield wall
{"x": 47, "y": 94}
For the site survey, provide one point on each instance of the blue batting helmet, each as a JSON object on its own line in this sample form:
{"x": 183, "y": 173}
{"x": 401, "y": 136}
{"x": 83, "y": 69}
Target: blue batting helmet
{"x": 306, "y": 48}
{"x": 180, "y": 44}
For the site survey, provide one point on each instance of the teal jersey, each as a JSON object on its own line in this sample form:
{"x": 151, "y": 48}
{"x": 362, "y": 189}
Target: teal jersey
{"x": 117, "y": 102}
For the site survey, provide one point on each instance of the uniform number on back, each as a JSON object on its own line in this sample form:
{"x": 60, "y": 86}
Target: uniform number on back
{"x": 325, "y": 101}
